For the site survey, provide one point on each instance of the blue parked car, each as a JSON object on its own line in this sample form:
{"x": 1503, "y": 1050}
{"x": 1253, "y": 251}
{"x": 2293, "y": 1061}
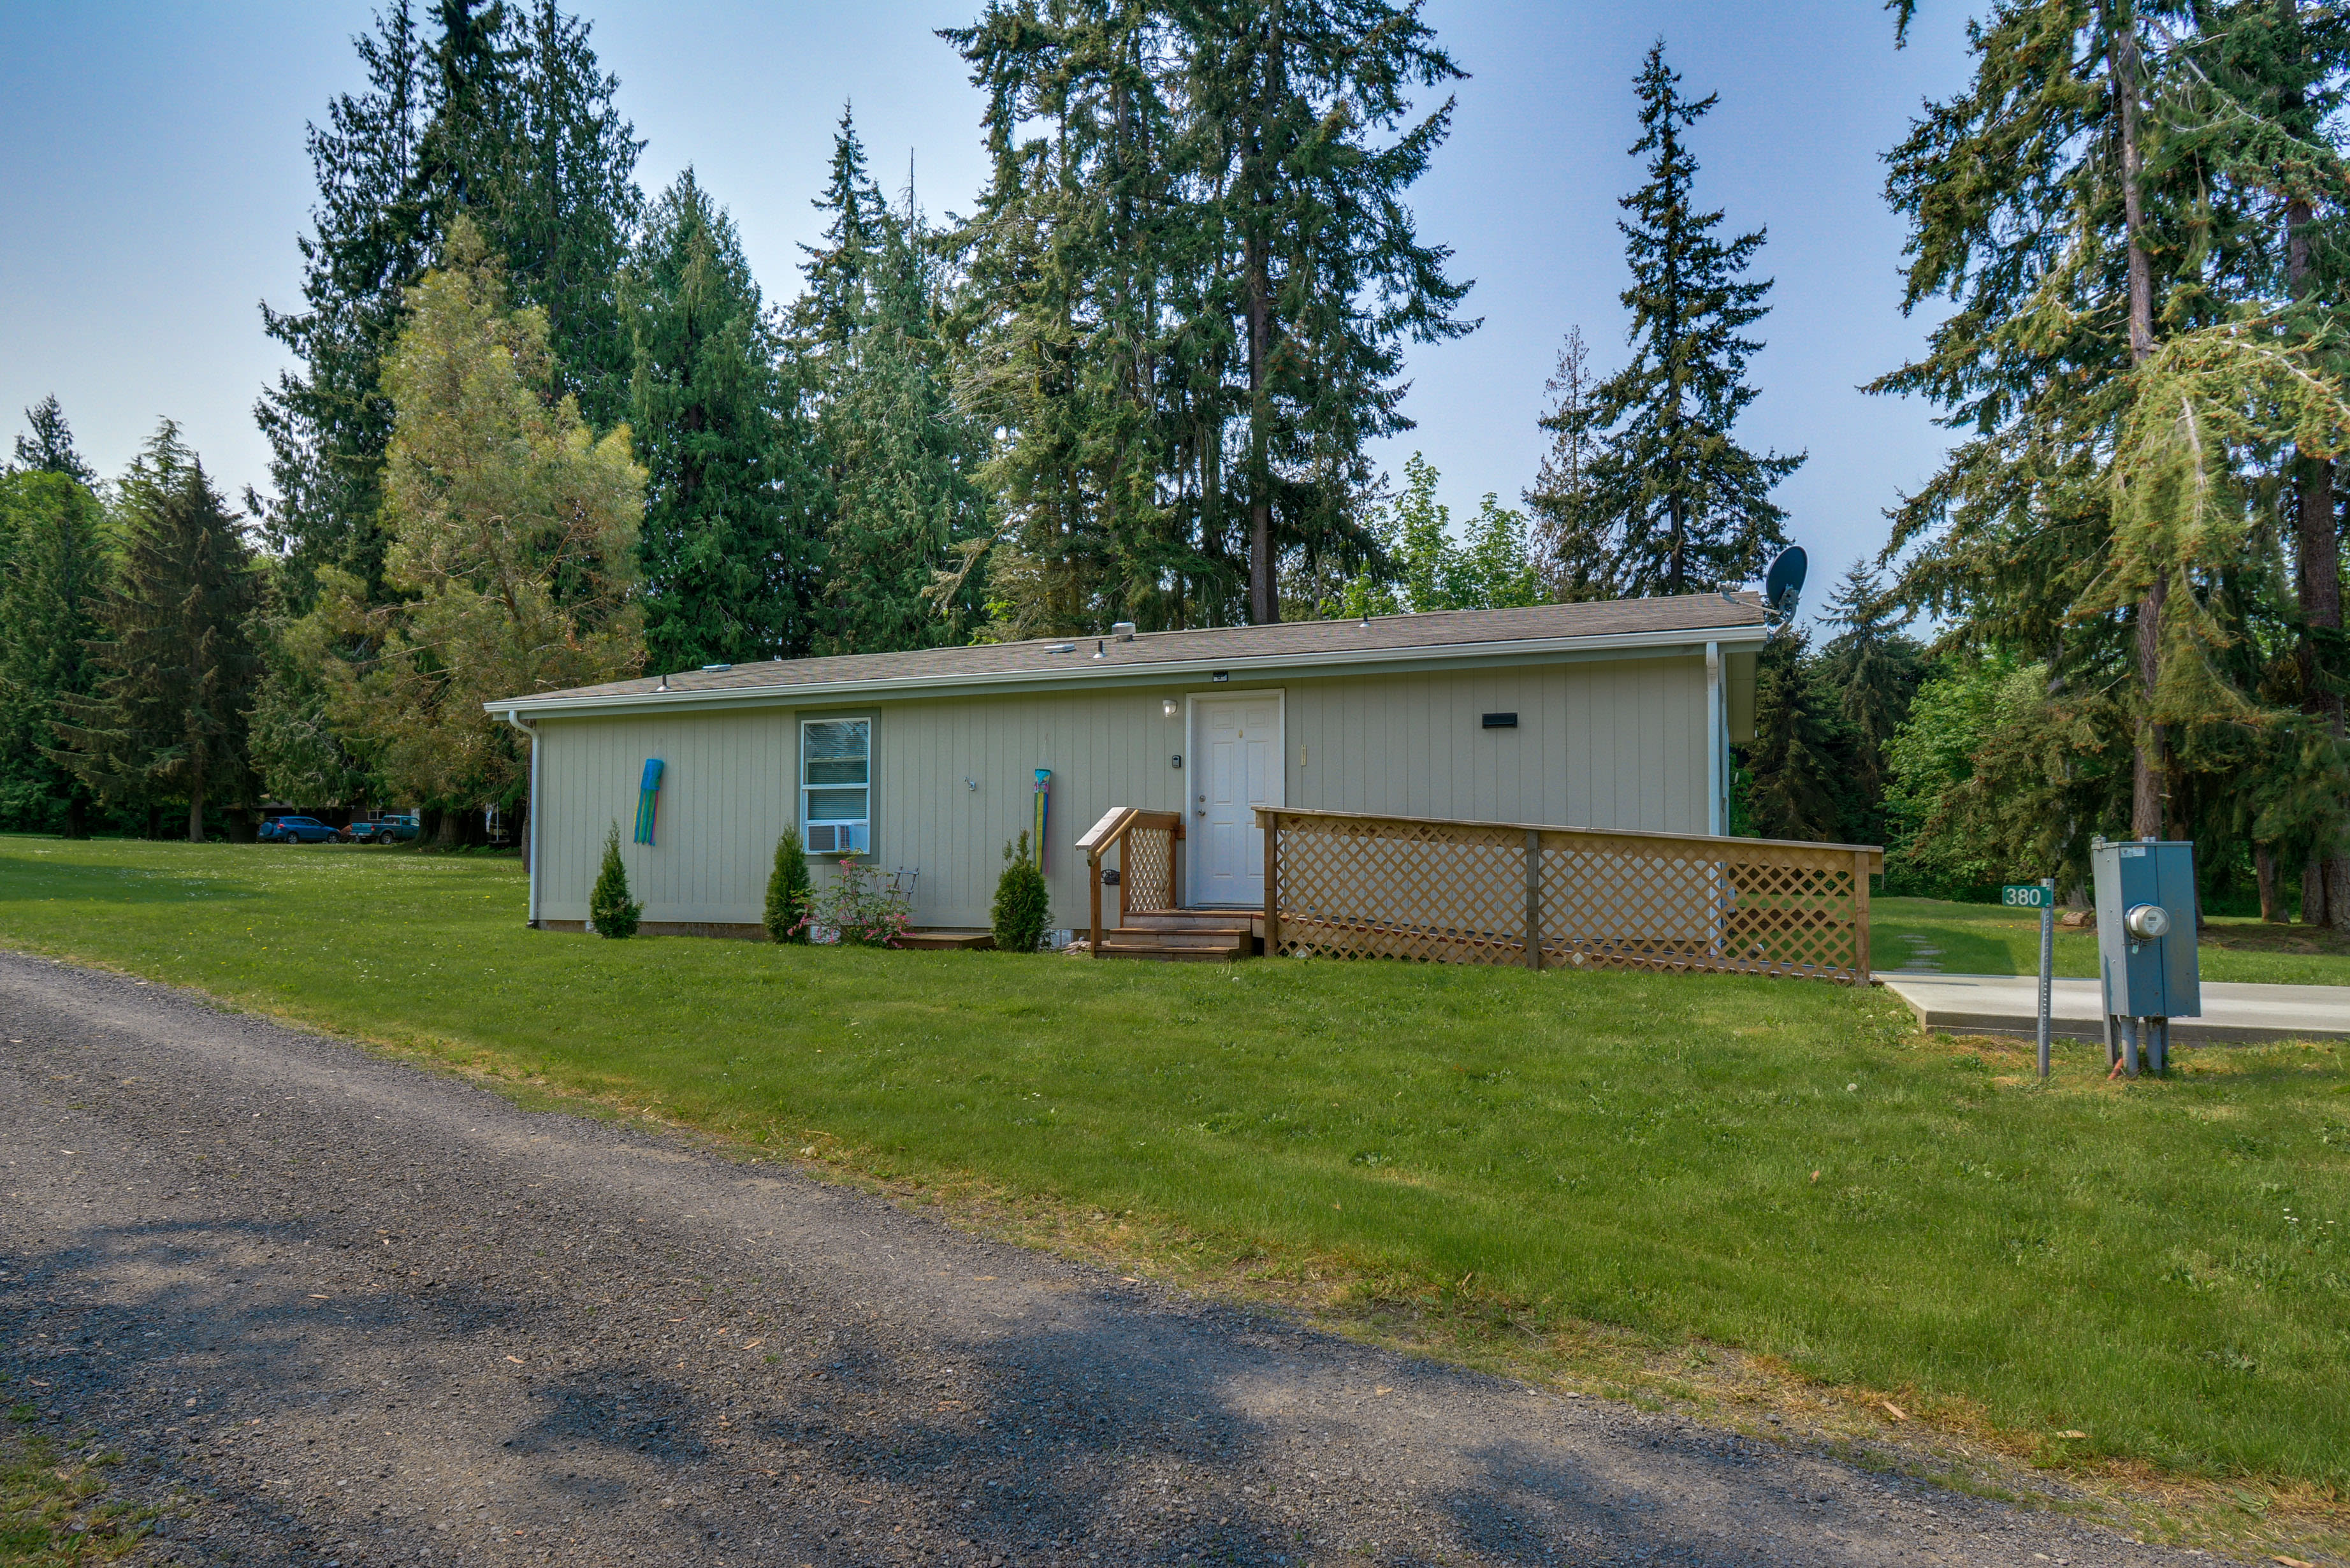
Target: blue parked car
{"x": 295, "y": 830}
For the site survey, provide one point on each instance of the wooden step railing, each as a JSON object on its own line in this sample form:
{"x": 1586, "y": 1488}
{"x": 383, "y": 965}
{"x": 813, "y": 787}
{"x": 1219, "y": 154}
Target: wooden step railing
{"x": 1146, "y": 875}
{"x": 1348, "y": 884}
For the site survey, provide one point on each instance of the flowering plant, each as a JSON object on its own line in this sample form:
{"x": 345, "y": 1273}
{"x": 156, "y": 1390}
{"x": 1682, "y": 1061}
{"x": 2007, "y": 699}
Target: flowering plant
{"x": 857, "y": 908}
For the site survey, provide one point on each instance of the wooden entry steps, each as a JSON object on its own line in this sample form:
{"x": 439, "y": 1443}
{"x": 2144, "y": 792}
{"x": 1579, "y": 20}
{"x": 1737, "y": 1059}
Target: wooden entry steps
{"x": 1181, "y": 936}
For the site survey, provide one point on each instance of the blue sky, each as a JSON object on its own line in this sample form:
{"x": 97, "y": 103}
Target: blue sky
{"x": 156, "y": 180}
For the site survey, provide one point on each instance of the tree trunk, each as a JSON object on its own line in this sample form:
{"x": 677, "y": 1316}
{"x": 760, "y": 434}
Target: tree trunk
{"x": 2318, "y": 567}
{"x": 2265, "y": 870}
{"x": 196, "y": 813}
{"x": 2146, "y": 766}
{"x": 2314, "y": 911}
{"x": 445, "y": 837}
{"x": 1265, "y": 600}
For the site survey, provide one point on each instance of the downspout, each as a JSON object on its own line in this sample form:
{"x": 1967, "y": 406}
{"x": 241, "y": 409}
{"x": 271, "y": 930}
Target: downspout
{"x": 1717, "y": 747}
{"x": 530, "y": 830}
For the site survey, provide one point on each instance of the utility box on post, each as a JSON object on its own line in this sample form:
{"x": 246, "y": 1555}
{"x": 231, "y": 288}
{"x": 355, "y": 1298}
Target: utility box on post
{"x": 2145, "y": 944}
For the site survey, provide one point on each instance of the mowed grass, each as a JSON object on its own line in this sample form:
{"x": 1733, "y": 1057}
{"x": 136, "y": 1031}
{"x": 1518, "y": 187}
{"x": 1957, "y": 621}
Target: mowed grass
{"x": 1776, "y": 1165}
{"x": 1989, "y": 938}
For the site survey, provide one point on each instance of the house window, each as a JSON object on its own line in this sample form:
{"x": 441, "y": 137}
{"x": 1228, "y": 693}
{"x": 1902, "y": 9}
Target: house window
{"x": 837, "y": 785}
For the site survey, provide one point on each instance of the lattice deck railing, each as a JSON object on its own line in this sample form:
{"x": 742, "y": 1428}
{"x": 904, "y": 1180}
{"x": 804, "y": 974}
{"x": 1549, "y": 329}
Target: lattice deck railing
{"x": 1346, "y": 885}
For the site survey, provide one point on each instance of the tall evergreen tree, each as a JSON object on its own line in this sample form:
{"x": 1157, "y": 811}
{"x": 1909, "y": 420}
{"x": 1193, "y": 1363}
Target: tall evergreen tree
{"x": 1672, "y": 503}
{"x": 1868, "y": 672}
{"x": 49, "y": 446}
{"x": 2114, "y": 206}
{"x": 570, "y": 206}
{"x": 1068, "y": 333}
{"x": 832, "y": 304}
{"x": 176, "y": 666}
{"x": 1794, "y": 788}
{"x": 728, "y": 550}
{"x": 1571, "y": 545}
{"x": 1329, "y": 277}
{"x": 54, "y": 569}
{"x": 1192, "y": 277}
{"x": 495, "y": 113}
{"x": 900, "y": 460}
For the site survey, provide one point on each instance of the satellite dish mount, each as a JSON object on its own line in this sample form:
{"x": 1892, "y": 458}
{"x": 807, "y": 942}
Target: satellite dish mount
{"x": 1783, "y": 586}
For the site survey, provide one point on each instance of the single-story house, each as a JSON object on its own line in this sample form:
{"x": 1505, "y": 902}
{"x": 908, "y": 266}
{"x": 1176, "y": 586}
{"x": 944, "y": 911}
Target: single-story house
{"x": 1614, "y": 715}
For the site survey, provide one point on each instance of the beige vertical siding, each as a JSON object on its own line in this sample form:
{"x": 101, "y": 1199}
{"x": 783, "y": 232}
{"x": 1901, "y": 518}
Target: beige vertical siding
{"x": 726, "y": 792}
{"x": 1599, "y": 744}
{"x": 1614, "y": 744}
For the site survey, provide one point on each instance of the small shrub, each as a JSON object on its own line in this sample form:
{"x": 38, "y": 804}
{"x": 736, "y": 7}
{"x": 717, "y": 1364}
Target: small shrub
{"x": 610, "y": 906}
{"x": 1022, "y": 900}
{"x": 787, "y": 891}
{"x": 857, "y": 909}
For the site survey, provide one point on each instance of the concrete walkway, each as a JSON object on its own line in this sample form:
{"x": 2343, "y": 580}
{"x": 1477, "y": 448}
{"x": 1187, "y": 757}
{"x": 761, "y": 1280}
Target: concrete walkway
{"x": 2234, "y": 1013}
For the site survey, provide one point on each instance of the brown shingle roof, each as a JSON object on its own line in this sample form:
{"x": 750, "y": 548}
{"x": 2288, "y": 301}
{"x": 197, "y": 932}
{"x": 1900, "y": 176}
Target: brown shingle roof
{"x": 1239, "y": 646}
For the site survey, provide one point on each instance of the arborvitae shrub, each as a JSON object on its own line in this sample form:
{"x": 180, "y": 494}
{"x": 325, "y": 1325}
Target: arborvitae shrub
{"x": 788, "y": 890}
{"x": 610, "y": 906}
{"x": 1022, "y": 900}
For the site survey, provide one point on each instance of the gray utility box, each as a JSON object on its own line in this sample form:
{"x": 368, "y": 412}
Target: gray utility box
{"x": 2146, "y": 929}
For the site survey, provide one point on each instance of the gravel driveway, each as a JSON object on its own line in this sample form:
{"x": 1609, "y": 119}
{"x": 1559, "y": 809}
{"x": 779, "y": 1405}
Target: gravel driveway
{"x": 361, "y": 1313}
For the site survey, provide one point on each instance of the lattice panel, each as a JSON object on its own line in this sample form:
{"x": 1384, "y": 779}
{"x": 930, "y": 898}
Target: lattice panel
{"x": 1146, "y": 874}
{"x": 1369, "y": 888}
{"x": 1456, "y": 893}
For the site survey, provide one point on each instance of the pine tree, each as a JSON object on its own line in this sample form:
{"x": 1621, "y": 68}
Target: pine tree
{"x": 610, "y": 911}
{"x": 833, "y": 304}
{"x": 1287, "y": 97}
{"x": 1070, "y": 338}
{"x": 166, "y": 716}
{"x": 54, "y": 569}
{"x": 1167, "y": 279}
{"x": 570, "y": 207}
{"x": 1672, "y": 503}
{"x": 788, "y": 890}
{"x": 501, "y": 114}
{"x": 49, "y": 448}
{"x": 1571, "y": 546}
{"x": 899, "y": 461}
{"x": 730, "y": 566}
{"x": 1870, "y": 672}
{"x": 1793, "y": 789}
{"x": 2123, "y": 354}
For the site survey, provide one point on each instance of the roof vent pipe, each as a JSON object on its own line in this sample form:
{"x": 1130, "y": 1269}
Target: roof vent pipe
{"x": 1123, "y": 630}
{"x": 1097, "y": 648}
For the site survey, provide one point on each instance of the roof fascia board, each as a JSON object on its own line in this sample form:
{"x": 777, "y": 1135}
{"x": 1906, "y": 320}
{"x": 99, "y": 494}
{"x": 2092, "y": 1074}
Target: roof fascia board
{"x": 1684, "y": 642}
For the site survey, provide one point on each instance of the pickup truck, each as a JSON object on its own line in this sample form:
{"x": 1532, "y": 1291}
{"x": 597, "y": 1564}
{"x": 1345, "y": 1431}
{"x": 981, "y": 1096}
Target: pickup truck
{"x": 400, "y": 827}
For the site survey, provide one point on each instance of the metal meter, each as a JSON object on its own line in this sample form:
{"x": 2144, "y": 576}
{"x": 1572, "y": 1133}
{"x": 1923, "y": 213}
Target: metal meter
{"x": 2146, "y": 944}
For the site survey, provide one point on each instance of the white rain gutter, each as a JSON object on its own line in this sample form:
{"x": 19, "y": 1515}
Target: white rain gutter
{"x": 1163, "y": 673}
{"x": 530, "y": 815}
{"x": 1717, "y": 746}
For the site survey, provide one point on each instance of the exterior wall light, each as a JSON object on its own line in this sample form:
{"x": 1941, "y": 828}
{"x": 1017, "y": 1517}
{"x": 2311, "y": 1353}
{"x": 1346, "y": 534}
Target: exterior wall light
{"x": 1168, "y": 707}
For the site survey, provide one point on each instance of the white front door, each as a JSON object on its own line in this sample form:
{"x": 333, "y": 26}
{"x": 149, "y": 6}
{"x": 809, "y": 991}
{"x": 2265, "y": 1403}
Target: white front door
{"x": 1236, "y": 764}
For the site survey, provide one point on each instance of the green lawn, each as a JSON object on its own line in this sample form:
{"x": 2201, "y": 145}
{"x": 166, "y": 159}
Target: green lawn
{"x": 1778, "y": 1164}
{"x": 1987, "y": 939}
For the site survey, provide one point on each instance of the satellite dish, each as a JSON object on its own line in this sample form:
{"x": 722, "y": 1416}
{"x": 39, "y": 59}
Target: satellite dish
{"x": 1783, "y": 583}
